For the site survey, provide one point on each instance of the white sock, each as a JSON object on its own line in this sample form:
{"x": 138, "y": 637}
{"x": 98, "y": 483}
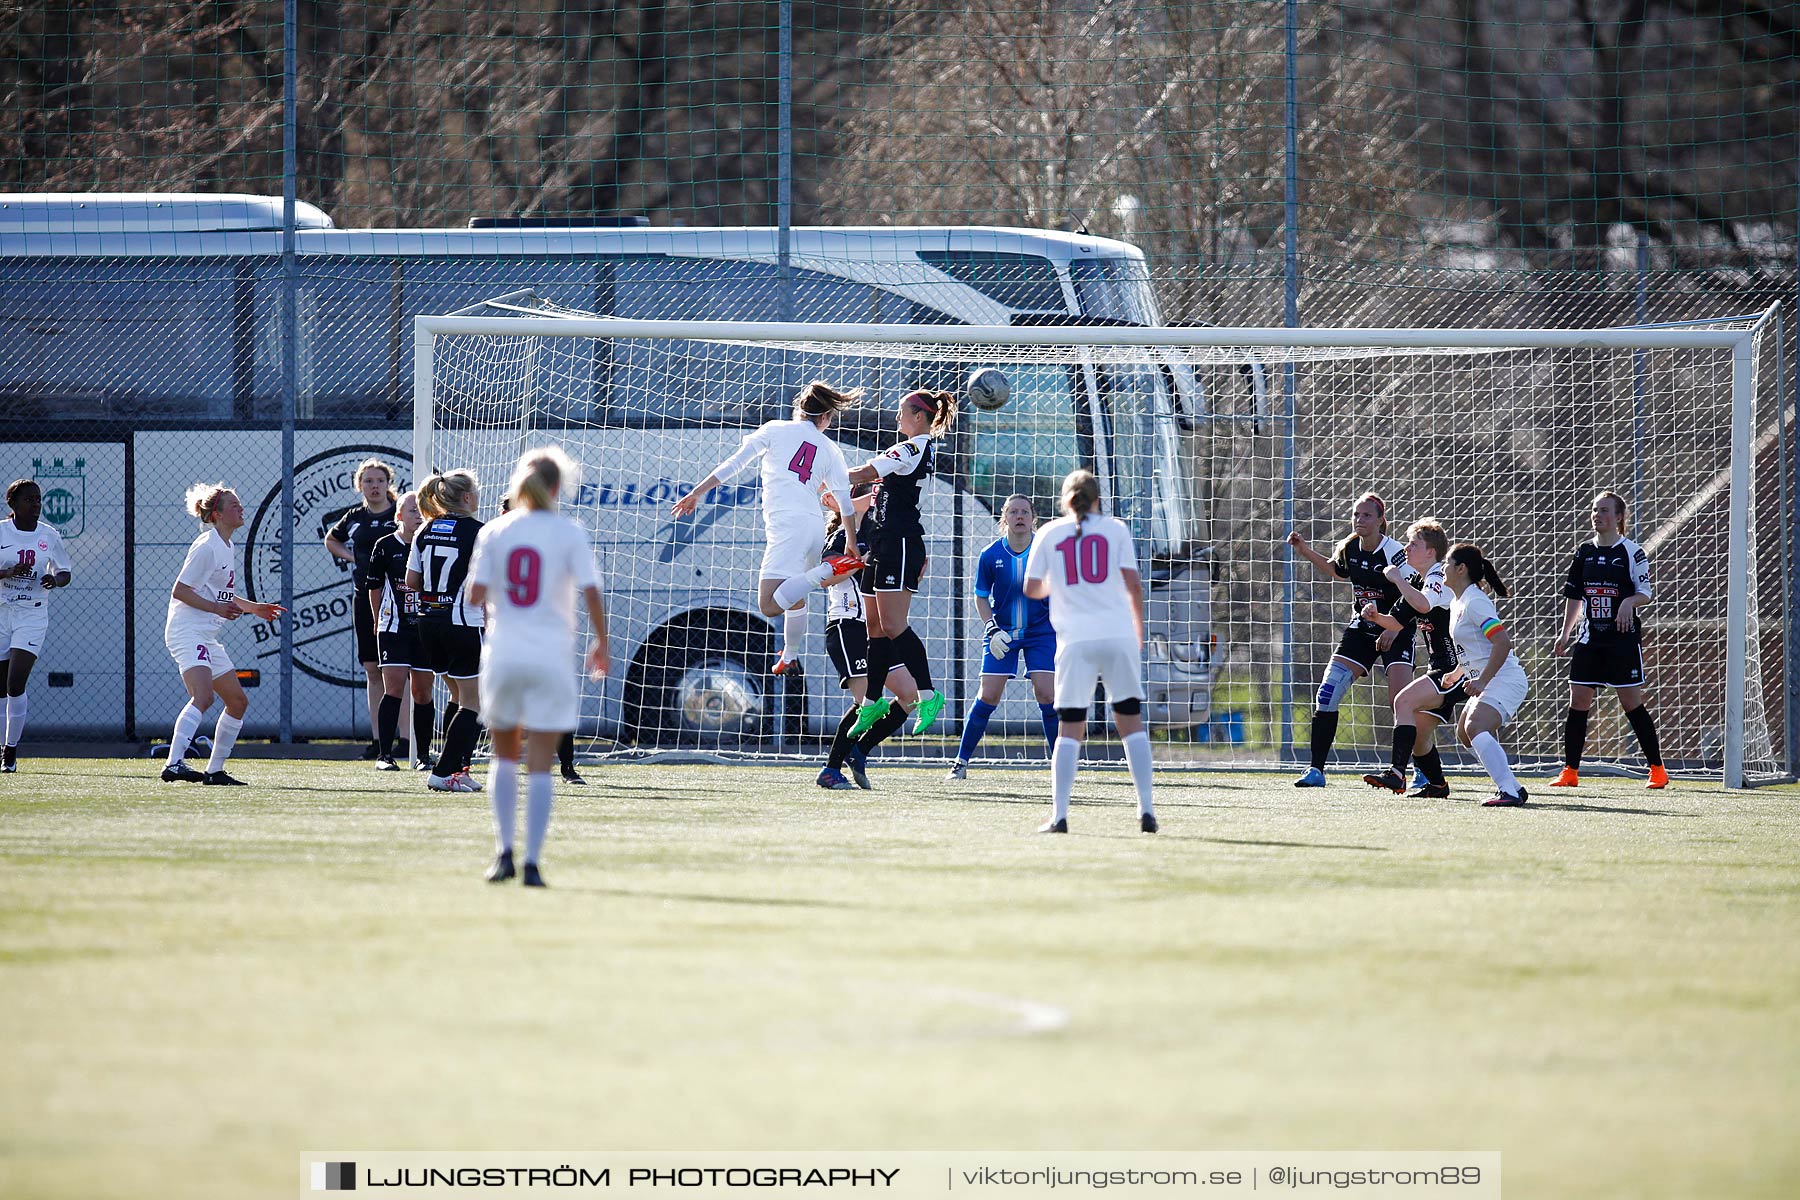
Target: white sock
{"x": 15, "y": 719}
{"x": 793, "y": 634}
{"x": 792, "y": 591}
{"x": 224, "y": 738}
{"x": 1493, "y": 757}
{"x": 1137, "y": 757}
{"x": 185, "y": 725}
{"x": 503, "y": 793}
{"x": 1063, "y": 762}
{"x": 537, "y": 815}
{"x": 820, "y": 573}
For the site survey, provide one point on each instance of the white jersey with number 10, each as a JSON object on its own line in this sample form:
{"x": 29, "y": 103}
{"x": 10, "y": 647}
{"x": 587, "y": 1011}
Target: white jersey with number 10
{"x": 533, "y": 564}
{"x": 1089, "y": 598}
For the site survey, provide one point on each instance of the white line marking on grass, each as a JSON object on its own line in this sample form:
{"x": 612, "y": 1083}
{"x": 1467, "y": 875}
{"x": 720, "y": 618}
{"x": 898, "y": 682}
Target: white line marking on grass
{"x": 1033, "y": 1016}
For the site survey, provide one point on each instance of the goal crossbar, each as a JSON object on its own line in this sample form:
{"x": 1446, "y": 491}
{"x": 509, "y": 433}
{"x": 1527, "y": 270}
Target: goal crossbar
{"x": 1625, "y": 338}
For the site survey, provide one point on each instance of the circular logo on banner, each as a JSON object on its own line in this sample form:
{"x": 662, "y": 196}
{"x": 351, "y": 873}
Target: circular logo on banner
{"x": 324, "y": 489}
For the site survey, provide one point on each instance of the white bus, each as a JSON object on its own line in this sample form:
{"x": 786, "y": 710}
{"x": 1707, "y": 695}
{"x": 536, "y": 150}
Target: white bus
{"x": 144, "y": 331}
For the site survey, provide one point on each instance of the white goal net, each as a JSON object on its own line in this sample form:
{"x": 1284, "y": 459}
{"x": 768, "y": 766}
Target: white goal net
{"x": 1212, "y": 445}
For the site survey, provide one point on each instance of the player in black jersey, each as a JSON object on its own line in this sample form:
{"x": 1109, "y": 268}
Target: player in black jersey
{"x": 449, "y": 626}
{"x": 1361, "y": 560}
{"x": 847, "y": 642}
{"x": 897, "y": 554}
{"x": 349, "y": 541}
{"x": 396, "y": 609}
{"x": 1609, "y": 581}
{"x": 1424, "y": 703}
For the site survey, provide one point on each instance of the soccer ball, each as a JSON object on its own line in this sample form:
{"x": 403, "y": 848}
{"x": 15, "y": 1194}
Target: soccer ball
{"x": 987, "y": 388}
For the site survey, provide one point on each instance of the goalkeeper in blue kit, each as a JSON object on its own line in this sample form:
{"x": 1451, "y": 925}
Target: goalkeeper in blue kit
{"x": 1018, "y": 630}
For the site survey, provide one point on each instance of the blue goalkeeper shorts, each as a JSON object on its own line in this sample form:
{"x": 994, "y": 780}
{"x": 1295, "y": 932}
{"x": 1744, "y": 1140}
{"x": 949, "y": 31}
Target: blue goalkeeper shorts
{"x": 1038, "y": 646}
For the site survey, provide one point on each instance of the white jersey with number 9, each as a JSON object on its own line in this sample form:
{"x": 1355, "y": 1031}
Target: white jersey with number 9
{"x": 533, "y": 564}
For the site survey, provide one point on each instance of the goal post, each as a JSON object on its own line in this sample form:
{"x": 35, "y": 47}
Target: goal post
{"x": 1502, "y": 434}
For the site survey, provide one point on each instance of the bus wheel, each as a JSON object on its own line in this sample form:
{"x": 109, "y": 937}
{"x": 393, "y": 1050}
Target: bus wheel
{"x": 705, "y": 687}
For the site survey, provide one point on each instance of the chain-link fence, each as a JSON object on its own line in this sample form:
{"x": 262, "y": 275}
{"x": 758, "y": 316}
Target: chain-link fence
{"x": 1582, "y": 163}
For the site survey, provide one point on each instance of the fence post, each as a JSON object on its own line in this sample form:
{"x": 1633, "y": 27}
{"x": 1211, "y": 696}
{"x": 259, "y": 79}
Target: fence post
{"x": 1290, "y": 317}
{"x": 290, "y": 342}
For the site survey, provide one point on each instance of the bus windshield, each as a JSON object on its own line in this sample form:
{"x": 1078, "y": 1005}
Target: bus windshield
{"x": 1116, "y": 289}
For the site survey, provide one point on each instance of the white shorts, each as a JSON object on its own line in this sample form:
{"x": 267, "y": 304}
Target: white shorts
{"x": 1505, "y": 693}
{"x": 795, "y": 541}
{"x": 528, "y": 693}
{"x": 201, "y": 650}
{"x": 24, "y": 627}
{"x": 1080, "y": 665}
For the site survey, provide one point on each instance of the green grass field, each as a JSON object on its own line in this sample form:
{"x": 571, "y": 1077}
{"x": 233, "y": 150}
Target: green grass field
{"x": 199, "y": 985}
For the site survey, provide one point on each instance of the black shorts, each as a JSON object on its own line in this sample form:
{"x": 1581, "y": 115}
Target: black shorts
{"x": 399, "y": 648}
{"x": 364, "y": 620}
{"x": 848, "y": 644}
{"x": 1444, "y": 709}
{"x": 453, "y": 650}
{"x": 895, "y": 565}
{"x": 1616, "y": 663}
{"x": 1358, "y": 645}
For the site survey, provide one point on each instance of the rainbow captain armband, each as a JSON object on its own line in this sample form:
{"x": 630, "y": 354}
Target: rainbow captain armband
{"x": 1490, "y": 627}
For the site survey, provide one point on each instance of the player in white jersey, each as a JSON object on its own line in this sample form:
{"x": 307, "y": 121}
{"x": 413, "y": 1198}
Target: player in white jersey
{"x": 527, "y": 569}
{"x": 33, "y": 560}
{"x": 203, "y": 599}
{"x": 1491, "y": 673}
{"x": 1086, "y": 565}
{"x": 798, "y": 460}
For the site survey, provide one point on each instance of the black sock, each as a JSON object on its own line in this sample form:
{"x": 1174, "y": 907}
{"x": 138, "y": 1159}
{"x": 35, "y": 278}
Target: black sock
{"x": 911, "y": 653}
{"x": 565, "y": 752}
{"x": 387, "y": 723}
{"x": 1324, "y": 732}
{"x": 840, "y": 741}
{"x": 881, "y": 659}
{"x": 883, "y": 729}
{"x": 1574, "y": 737}
{"x": 424, "y": 718}
{"x": 1644, "y": 725}
{"x": 1433, "y": 766}
{"x": 450, "y": 710}
{"x": 460, "y": 737}
{"x": 1403, "y": 744}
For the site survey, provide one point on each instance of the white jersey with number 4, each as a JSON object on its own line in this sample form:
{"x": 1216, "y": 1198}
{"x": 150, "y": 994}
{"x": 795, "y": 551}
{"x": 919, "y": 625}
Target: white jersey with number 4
{"x": 211, "y": 570}
{"x": 41, "y": 550}
{"x": 533, "y": 564}
{"x": 1089, "y": 597}
{"x": 797, "y": 459}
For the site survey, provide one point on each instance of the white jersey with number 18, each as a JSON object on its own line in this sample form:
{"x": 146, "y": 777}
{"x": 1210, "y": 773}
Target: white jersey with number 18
{"x": 39, "y": 550}
{"x": 532, "y": 564}
{"x": 1089, "y": 597}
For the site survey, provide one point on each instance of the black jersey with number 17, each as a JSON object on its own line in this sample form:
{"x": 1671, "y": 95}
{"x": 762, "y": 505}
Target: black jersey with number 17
{"x": 440, "y": 554}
